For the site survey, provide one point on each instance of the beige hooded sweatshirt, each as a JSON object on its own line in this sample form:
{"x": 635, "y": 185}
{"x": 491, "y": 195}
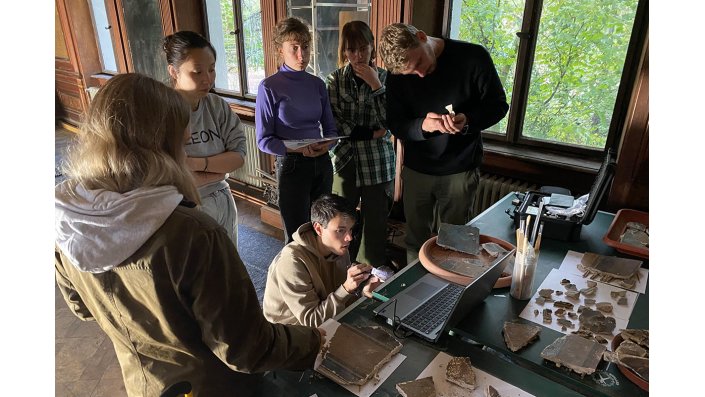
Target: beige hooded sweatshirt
{"x": 303, "y": 286}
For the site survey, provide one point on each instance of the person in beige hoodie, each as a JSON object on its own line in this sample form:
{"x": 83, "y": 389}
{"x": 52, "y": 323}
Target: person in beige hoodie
{"x": 312, "y": 278}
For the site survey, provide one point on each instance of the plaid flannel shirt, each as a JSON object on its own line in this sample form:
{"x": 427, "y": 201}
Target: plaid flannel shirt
{"x": 352, "y": 105}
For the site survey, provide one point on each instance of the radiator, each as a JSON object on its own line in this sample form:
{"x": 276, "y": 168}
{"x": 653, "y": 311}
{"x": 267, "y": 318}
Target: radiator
{"x": 493, "y": 187}
{"x": 248, "y": 173}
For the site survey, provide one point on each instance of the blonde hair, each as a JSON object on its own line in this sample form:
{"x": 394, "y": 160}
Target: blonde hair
{"x": 355, "y": 33}
{"x": 291, "y": 29}
{"x": 132, "y": 137}
{"x": 394, "y": 45}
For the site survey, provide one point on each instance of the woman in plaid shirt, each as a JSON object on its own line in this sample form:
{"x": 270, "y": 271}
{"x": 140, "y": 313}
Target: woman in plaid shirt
{"x": 363, "y": 165}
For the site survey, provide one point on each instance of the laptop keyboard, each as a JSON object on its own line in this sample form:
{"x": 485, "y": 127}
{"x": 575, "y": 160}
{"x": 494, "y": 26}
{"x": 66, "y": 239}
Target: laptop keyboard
{"x": 434, "y": 311}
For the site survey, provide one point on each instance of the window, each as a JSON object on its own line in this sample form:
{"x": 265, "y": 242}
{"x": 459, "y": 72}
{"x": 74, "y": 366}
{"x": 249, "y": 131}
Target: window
{"x": 326, "y": 19}
{"x": 560, "y": 63}
{"x": 103, "y": 30}
{"x": 129, "y": 35}
{"x": 235, "y": 30}
{"x": 142, "y": 21}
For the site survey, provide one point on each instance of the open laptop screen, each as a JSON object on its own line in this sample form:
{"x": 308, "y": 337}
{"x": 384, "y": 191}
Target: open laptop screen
{"x": 432, "y": 305}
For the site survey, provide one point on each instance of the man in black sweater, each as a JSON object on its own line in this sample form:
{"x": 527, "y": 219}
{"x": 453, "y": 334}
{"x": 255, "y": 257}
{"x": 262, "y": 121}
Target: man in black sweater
{"x": 441, "y": 94}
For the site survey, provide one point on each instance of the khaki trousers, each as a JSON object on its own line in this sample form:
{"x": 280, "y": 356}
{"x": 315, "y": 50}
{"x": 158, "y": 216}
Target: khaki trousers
{"x": 375, "y": 202}
{"x": 432, "y": 199}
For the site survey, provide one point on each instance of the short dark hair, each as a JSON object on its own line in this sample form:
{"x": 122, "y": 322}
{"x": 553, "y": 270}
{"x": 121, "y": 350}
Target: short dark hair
{"x": 328, "y": 206}
{"x": 177, "y": 46}
{"x": 355, "y": 33}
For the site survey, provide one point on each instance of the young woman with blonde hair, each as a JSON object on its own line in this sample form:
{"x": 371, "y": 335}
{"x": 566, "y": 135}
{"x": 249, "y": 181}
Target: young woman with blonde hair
{"x": 158, "y": 276}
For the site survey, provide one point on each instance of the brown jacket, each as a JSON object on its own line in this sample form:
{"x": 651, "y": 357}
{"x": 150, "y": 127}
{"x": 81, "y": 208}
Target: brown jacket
{"x": 303, "y": 286}
{"x": 183, "y": 307}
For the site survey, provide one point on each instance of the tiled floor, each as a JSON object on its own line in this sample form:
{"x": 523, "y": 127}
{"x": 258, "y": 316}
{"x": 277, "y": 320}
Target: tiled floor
{"x": 85, "y": 361}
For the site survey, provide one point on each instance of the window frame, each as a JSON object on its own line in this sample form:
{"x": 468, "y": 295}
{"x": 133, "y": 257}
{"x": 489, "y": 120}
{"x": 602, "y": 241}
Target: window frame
{"x": 111, "y": 29}
{"x": 123, "y": 59}
{"x": 514, "y": 138}
{"x": 314, "y": 6}
{"x": 242, "y": 65}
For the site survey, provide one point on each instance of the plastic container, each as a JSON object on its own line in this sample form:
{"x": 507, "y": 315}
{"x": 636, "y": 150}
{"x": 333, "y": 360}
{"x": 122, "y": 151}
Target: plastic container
{"x": 523, "y": 276}
{"x": 616, "y": 229}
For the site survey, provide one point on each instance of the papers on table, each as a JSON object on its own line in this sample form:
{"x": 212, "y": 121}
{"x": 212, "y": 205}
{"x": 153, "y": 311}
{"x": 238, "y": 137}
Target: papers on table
{"x": 620, "y": 313}
{"x": 437, "y": 369}
{"x": 366, "y": 390}
{"x": 572, "y": 259}
{"x": 299, "y": 143}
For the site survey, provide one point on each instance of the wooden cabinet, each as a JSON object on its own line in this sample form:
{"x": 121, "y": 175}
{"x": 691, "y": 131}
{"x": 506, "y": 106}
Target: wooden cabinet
{"x": 75, "y": 60}
{"x": 137, "y": 28}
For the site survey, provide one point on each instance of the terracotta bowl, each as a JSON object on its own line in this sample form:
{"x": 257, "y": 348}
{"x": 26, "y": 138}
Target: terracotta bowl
{"x": 431, "y": 254}
{"x": 631, "y": 375}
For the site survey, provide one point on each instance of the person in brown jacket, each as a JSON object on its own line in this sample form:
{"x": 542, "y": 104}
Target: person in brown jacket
{"x": 312, "y": 279}
{"x": 160, "y": 277}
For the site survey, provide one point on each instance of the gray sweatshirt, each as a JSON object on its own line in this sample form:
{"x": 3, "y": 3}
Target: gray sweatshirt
{"x": 214, "y": 129}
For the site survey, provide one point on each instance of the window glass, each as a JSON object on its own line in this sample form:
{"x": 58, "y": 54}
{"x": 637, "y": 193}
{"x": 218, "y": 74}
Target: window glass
{"x": 576, "y": 66}
{"x": 493, "y": 24}
{"x": 236, "y": 35}
{"x": 143, "y": 22}
{"x": 102, "y": 30}
{"x": 579, "y": 58}
{"x": 254, "y": 50}
{"x": 221, "y": 32}
{"x": 326, "y": 18}
{"x": 330, "y": 21}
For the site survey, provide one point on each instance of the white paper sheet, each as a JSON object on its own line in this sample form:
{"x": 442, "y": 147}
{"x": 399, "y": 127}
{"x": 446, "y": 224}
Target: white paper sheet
{"x": 572, "y": 259}
{"x": 299, "y": 143}
{"x": 620, "y": 313}
{"x": 437, "y": 369}
{"x": 366, "y": 390}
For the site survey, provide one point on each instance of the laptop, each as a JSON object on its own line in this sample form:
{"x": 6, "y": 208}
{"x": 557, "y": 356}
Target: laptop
{"x": 433, "y": 305}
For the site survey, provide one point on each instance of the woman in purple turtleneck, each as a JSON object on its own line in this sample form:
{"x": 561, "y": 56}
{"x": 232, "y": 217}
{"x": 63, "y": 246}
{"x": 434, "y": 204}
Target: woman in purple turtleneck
{"x": 293, "y": 104}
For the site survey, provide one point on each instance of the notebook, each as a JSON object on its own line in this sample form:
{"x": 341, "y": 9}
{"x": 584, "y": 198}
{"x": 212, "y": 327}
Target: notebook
{"x": 433, "y": 305}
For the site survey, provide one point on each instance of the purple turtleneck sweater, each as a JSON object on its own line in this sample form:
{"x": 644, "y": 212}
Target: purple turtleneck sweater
{"x": 291, "y": 104}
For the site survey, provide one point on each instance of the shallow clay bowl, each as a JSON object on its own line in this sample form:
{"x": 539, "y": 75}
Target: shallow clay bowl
{"x": 431, "y": 254}
{"x": 631, "y": 375}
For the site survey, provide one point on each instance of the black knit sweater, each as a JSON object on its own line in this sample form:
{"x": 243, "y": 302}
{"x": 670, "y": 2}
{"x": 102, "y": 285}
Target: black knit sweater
{"x": 465, "y": 77}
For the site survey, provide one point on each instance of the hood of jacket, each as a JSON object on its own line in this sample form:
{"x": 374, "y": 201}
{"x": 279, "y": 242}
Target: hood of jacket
{"x": 98, "y": 229}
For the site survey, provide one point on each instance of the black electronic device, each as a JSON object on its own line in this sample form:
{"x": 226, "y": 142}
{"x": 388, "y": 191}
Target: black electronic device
{"x": 559, "y": 227}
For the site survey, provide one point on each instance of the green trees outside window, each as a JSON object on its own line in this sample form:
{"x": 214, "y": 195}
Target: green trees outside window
{"x": 235, "y": 30}
{"x": 575, "y": 66}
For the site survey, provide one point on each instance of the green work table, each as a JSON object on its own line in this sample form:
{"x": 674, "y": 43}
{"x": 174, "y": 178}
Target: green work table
{"x": 418, "y": 355}
{"x": 479, "y": 335}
